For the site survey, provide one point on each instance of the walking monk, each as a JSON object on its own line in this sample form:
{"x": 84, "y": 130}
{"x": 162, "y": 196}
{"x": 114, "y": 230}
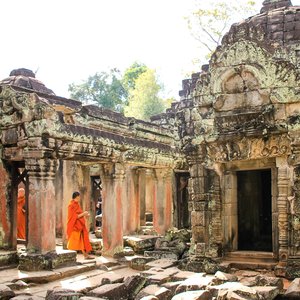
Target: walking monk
{"x": 21, "y": 232}
{"x": 77, "y": 234}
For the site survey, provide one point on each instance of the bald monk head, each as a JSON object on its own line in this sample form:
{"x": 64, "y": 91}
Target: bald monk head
{"x": 21, "y": 192}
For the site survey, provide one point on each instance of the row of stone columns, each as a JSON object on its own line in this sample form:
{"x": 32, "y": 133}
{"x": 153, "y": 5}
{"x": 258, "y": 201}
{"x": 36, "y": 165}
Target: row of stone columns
{"x": 127, "y": 193}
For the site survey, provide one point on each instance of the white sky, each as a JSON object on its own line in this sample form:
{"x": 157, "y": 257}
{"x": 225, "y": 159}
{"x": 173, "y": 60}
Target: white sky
{"x": 68, "y": 40}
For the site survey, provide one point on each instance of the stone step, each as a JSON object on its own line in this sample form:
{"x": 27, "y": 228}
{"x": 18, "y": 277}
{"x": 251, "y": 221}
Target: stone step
{"x": 250, "y": 254}
{"x": 250, "y": 265}
{"x": 251, "y": 257}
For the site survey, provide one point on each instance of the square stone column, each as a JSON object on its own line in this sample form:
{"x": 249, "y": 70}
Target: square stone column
{"x": 8, "y": 234}
{"x": 162, "y": 203}
{"x": 131, "y": 202}
{"x": 41, "y": 205}
{"x": 41, "y": 244}
{"x": 113, "y": 192}
{"x": 142, "y": 195}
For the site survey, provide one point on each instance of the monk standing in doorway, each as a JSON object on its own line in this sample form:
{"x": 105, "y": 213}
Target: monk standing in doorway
{"x": 77, "y": 234}
{"x": 21, "y": 232}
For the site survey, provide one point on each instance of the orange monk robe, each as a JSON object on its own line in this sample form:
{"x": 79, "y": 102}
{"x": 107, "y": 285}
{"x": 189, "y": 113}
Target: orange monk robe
{"x": 21, "y": 232}
{"x": 78, "y": 236}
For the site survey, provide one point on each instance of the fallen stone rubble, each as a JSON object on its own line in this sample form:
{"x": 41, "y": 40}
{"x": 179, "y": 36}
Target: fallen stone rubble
{"x": 163, "y": 280}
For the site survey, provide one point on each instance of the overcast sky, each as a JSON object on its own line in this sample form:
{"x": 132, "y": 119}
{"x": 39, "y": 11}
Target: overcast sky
{"x": 65, "y": 41}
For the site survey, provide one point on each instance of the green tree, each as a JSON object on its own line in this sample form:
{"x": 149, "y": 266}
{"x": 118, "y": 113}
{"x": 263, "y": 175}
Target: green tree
{"x": 210, "y": 21}
{"x": 132, "y": 73}
{"x": 144, "y": 100}
{"x": 104, "y": 89}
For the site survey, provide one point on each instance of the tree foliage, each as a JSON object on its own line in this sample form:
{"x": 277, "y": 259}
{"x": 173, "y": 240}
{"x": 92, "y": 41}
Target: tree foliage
{"x": 131, "y": 74}
{"x": 144, "y": 100}
{"x": 210, "y": 21}
{"x": 104, "y": 89}
{"x": 135, "y": 92}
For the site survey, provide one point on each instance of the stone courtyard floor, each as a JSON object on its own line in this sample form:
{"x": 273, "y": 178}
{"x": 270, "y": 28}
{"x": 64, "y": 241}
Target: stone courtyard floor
{"x": 139, "y": 277}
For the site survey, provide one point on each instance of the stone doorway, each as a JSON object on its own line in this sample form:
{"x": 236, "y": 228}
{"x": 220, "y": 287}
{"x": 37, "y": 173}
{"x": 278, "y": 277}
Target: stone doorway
{"x": 254, "y": 199}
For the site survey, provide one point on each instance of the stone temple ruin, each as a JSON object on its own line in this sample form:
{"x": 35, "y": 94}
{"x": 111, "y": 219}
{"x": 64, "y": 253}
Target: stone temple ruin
{"x": 234, "y": 135}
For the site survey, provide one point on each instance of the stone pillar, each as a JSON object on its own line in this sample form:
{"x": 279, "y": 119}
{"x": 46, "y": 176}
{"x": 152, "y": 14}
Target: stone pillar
{"x": 41, "y": 206}
{"x": 230, "y": 212}
{"x": 41, "y": 243}
{"x": 142, "y": 195}
{"x": 70, "y": 185}
{"x": 8, "y": 234}
{"x": 112, "y": 211}
{"x": 282, "y": 206}
{"x": 59, "y": 190}
{"x": 198, "y": 215}
{"x": 162, "y": 204}
{"x": 150, "y": 190}
{"x": 131, "y": 206}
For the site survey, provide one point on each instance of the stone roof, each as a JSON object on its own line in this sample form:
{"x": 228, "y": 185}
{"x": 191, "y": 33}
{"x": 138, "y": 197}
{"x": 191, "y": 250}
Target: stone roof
{"x": 26, "y": 79}
{"x": 278, "y": 22}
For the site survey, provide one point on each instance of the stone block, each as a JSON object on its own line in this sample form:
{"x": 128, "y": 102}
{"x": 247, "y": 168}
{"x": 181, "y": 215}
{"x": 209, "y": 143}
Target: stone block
{"x": 112, "y": 277}
{"x": 27, "y": 297}
{"x": 172, "y": 286}
{"x": 139, "y": 263}
{"x": 183, "y": 275}
{"x": 231, "y": 290}
{"x": 197, "y": 282}
{"x": 140, "y": 243}
{"x": 115, "y": 291}
{"x": 160, "y": 293}
{"x": 62, "y": 294}
{"x": 48, "y": 261}
{"x": 293, "y": 291}
{"x": 267, "y": 292}
{"x": 8, "y": 258}
{"x": 193, "y": 295}
{"x": 134, "y": 284}
{"x": 161, "y": 254}
{"x": 5, "y": 292}
{"x": 162, "y": 263}
{"x": 221, "y": 277}
{"x": 198, "y": 218}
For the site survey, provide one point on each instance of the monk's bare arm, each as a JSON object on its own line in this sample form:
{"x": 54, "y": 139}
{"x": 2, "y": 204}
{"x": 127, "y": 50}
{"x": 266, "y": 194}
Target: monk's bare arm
{"x": 85, "y": 213}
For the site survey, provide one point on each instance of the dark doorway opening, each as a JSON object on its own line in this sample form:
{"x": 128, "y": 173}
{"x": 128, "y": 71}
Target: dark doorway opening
{"x": 254, "y": 210}
{"x": 181, "y": 205}
{"x": 96, "y": 203}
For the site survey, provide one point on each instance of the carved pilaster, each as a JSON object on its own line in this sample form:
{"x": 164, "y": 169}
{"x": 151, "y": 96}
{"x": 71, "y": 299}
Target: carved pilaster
{"x": 282, "y": 206}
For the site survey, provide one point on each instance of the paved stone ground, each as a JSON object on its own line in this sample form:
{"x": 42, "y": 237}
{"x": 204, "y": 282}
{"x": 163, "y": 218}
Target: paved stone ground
{"x": 138, "y": 277}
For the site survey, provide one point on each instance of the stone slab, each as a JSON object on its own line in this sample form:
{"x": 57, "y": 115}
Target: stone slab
{"x": 162, "y": 263}
{"x": 161, "y": 255}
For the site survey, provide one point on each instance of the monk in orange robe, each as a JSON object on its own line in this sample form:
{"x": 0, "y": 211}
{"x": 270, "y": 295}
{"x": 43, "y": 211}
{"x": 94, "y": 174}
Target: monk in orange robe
{"x": 77, "y": 234}
{"x": 21, "y": 232}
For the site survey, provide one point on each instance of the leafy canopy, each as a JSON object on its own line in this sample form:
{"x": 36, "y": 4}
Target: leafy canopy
{"x": 135, "y": 92}
{"x": 144, "y": 100}
{"x": 104, "y": 89}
